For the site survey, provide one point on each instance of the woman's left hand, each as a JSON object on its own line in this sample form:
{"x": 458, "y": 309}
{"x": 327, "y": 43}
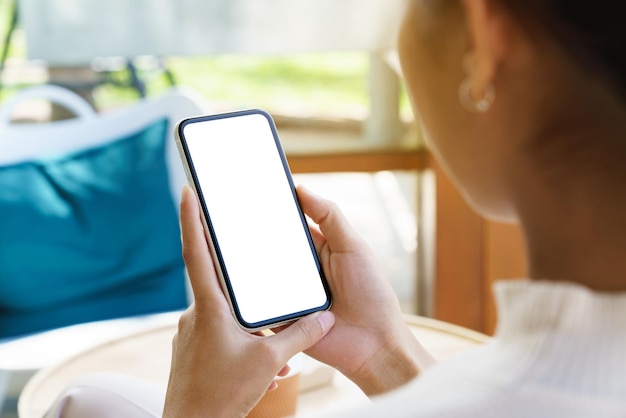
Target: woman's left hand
{"x": 218, "y": 369}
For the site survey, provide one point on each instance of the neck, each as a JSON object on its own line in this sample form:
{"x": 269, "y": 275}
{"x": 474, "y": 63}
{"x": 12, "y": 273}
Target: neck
{"x": 591, "y": 255}
{"x": 574, "y": 217}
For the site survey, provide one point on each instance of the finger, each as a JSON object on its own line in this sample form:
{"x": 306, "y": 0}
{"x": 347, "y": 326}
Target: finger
{"x": 284, "y": 371}
{"x": 338, "y": 232}
{"x": 196, "y": 252}
{"x": 303, "y": 333}
{"x": 318, "y": 238}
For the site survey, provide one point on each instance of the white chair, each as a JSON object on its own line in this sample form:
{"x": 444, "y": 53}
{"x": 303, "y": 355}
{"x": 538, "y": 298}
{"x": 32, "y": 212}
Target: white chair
{"x": 23, "y": 142}
{"x": 20, "y": 357}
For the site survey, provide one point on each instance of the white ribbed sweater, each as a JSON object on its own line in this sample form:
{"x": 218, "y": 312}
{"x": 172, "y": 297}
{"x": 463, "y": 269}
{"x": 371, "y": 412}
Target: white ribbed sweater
{"x": 559, "y": 351}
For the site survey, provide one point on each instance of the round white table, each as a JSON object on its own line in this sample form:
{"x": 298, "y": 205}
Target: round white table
{"x": 146, "y": 355}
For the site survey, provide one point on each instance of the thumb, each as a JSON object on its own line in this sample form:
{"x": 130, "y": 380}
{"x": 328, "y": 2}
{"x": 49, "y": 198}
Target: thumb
{"x": 304, "y": 333}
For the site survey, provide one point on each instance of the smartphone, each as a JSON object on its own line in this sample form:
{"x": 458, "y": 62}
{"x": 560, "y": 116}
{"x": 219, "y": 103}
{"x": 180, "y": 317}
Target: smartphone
{"x": 257, "y": 232}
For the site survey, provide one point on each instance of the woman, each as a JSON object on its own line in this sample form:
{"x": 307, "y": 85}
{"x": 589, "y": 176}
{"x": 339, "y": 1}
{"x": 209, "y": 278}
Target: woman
{"x": 524, "y": 103}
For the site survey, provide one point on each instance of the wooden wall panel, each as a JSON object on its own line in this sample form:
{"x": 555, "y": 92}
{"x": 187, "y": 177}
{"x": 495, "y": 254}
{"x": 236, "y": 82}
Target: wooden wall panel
{"x": 504, "y": 258}
{"x": 458, "y": 294}
{"x": 471, "y": 253}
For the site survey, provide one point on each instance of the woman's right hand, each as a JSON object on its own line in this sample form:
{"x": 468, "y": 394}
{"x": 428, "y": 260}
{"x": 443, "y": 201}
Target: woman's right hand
{"x": 370, "y": 342}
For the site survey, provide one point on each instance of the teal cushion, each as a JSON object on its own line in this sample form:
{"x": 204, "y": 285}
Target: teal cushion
{"x": 88, "y": 236}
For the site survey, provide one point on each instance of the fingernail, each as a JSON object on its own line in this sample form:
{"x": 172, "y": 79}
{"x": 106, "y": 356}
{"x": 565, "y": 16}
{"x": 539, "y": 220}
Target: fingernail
{"x": 326, "y": 320}
{"x": 185, "y": 191}
{"x": 286, "y": 370}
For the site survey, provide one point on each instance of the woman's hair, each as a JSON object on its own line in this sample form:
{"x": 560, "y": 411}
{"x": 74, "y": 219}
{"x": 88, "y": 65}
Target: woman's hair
{"x": 593, "y": 33}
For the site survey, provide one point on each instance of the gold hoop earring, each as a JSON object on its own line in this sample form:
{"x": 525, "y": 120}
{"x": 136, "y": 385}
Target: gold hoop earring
{"x": 480, "y": 106}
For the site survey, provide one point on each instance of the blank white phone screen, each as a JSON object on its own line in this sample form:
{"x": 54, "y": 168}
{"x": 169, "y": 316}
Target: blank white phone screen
{"x": 261, "y": 237}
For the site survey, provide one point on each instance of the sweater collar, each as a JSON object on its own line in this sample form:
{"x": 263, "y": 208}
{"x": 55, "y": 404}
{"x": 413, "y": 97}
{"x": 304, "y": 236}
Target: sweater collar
{"x": 561, "y": 307}
{"x": 560, "y": 334}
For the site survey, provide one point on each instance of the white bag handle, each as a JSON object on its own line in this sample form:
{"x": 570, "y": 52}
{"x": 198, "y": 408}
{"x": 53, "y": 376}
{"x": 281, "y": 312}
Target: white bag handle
{"x": 55, "y": 94}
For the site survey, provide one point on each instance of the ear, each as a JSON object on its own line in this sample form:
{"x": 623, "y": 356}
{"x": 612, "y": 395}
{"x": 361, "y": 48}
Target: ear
{"x": 487, "y": 43}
